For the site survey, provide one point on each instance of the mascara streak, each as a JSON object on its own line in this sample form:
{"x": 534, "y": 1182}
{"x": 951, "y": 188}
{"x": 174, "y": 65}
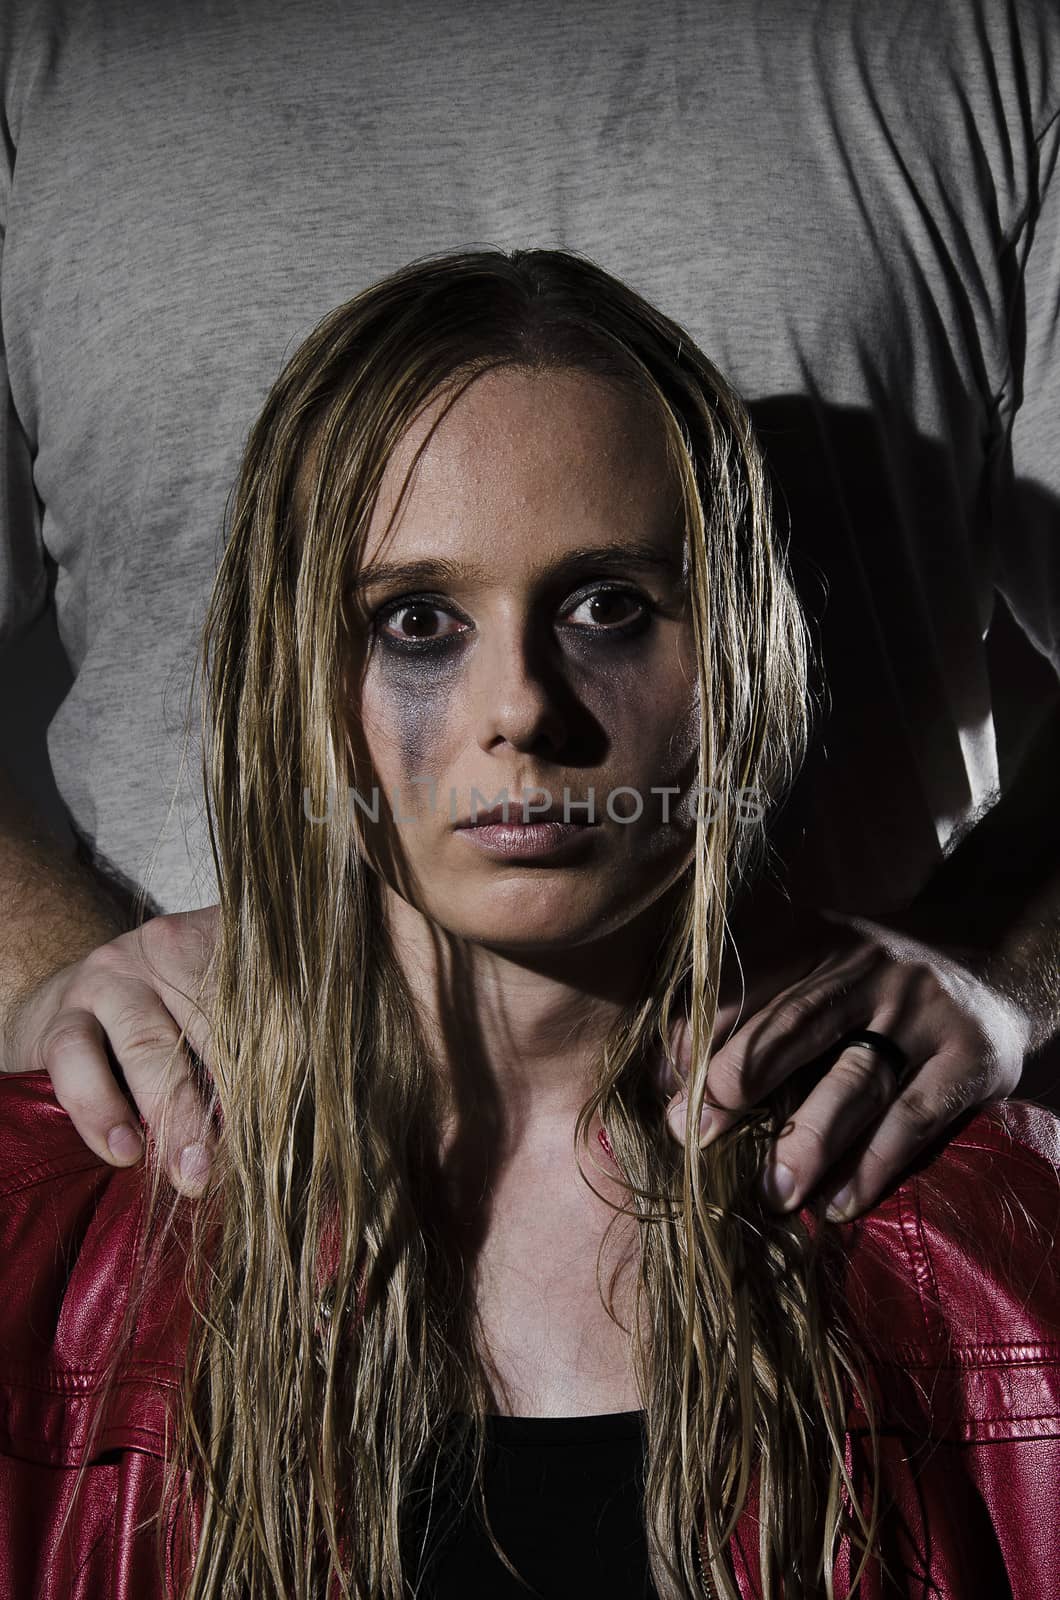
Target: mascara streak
{"x": 417, "y": 693}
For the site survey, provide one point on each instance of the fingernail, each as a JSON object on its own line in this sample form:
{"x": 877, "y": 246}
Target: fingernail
{"x": 678, "y": 1120}
{"x": 194, "y": 1165}
{"x": 124, "y": 1143}
{"x": 778, "y": 1182}
{"x": 676, "y": 1117}
{"x": 839, "y": 1203}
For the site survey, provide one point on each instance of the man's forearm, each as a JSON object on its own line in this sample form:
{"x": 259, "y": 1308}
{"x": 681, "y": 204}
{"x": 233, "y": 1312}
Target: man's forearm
{"x": 995, "y": 901}
{"x": 1017, "y": 952}
{"x": 53, "y": 909}
{"x": 1025, "y": 965}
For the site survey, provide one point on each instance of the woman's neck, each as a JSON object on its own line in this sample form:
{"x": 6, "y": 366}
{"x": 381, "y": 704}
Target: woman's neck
{"x": 519, "y": 1032}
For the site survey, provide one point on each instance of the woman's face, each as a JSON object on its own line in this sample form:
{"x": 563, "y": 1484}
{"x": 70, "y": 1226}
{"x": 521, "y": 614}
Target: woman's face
{"x": 545, "y": 650}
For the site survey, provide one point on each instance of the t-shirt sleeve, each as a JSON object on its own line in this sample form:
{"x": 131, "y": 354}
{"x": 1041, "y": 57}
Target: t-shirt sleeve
{"x": 1029, "y": 543}
{"x": 23, "y": 567}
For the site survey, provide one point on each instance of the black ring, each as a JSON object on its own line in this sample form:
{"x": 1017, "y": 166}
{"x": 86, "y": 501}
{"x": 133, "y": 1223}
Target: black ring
{"x": 892, "y": 1053}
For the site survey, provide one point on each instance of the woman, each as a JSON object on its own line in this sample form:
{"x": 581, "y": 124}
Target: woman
{"x": 501, "y": 535}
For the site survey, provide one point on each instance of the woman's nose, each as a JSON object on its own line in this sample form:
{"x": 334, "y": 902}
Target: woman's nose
{"x": 516, "y": 693}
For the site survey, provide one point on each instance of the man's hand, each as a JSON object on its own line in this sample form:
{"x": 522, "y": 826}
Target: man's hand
{"x": 964, "y": 1041}
{"x": 135, "y": 994}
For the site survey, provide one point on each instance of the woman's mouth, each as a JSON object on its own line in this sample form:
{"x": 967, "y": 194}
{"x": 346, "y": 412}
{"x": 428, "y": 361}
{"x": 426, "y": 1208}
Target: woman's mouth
{"x": 528, "y": 840}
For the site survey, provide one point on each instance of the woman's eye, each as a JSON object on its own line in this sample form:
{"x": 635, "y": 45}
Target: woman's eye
{"x": 414, "y": 622}
{"x": 420, "y": 623}
{"x": 611, "y": 610}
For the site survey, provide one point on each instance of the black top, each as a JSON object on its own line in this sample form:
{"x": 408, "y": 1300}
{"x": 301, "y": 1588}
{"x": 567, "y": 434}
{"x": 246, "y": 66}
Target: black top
{"x": 565, "y": 1499}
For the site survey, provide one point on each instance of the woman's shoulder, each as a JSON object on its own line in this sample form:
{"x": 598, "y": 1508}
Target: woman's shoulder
{"x": 70, "y": 1236}
{"x": 953, "y": 1276}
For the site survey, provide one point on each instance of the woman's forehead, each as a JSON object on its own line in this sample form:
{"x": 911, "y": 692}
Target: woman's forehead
{"x": 562, "y": 456}
{"x": 559, "y": 456}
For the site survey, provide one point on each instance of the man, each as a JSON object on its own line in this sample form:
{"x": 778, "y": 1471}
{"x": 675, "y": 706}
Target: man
{"x": 855, "y": 208}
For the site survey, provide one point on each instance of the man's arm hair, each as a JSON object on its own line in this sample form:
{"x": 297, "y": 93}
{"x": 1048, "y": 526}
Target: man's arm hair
{"x": 997, "y": 898}
{"x": 54, "y": 907}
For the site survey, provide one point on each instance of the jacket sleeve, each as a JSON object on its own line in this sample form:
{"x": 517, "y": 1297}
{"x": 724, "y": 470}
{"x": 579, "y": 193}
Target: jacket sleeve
{"x": 996, "y": 1289}
{"x": 69, "y": 1225}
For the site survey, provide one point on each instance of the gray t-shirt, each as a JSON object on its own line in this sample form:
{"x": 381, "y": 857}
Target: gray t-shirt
{"x": 851, "y": 205}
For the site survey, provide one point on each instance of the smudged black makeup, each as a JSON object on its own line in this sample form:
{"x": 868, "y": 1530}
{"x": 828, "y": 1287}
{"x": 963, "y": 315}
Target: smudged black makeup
{"x": 416, "y": 691}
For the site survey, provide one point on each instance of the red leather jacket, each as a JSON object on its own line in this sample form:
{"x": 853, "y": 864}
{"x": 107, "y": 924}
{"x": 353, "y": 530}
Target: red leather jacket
{"x": 967, "y": 1362}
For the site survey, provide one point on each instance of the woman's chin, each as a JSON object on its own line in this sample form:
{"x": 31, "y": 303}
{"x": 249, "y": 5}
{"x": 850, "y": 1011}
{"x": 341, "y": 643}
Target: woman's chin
{"x": 519, "y": 909}
{"x": 538, "y": 922}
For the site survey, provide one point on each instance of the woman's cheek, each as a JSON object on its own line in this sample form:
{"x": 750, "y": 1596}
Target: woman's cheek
{"x": 661, "y": 743}
{"x": 648, "y": 699}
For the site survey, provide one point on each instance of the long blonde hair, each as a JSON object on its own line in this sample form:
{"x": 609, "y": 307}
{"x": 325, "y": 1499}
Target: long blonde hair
{"x": 332, "y": 1365}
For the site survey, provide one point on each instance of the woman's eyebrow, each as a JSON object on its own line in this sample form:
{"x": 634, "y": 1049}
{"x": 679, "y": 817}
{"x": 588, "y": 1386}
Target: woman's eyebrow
{"x": 641, "y": 554}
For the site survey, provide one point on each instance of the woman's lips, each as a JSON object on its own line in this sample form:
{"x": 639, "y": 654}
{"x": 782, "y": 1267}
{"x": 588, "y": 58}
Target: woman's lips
{"x": 524, "y": 839}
